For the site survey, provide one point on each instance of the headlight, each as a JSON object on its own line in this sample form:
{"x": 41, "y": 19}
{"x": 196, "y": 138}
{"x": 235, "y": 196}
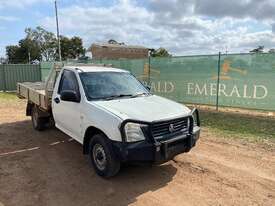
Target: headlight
{"x": 195, "y": 120}
{"x": 195, "y": 115}
{"x": 134, "y": 132}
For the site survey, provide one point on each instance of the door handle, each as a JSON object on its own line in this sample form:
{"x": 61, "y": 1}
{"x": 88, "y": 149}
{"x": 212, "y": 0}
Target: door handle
{"x": 56, "y": 100}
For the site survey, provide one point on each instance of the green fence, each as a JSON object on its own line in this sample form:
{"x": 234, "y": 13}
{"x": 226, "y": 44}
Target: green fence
{"x": 45, "y": 69}
{"x": 10, "y": 74}
{"x": 235, "y": 80}
{"x": 248, "y": 81}
{"x": 243, "y": 80}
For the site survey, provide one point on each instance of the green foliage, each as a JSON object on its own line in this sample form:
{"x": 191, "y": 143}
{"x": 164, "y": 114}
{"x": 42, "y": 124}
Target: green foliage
{"x": 112, "y": 41}
{"x": 71, "y": 48}
{"x": 45, "y": 40}
{"x": 28, "y": 50}
{"x": 40, "y": 44}
{"x": 5, "y": 96}
{"x": 161, "y": 52}
{"x": 250, "y": 127}
{"x": 259, "y": 49}
{"x": 13, "y": 53}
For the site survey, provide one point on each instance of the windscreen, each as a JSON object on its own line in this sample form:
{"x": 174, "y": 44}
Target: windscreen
{"x": 106, "y": 85}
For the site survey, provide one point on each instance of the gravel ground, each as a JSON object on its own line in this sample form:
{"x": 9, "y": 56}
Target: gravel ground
{"x": 217, "y": 171}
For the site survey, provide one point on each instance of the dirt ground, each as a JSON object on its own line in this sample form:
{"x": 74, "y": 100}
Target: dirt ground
{"x": 55, "y": 172}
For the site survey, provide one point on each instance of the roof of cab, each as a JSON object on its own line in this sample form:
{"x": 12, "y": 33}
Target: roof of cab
{"x": 94, "y": 69}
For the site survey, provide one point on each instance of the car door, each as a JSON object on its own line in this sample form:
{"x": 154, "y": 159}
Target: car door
{"x": 67, "y": 114}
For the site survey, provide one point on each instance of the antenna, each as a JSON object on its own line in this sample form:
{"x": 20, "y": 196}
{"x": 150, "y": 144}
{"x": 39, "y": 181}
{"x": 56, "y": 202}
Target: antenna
{"x": 57, "y": 30}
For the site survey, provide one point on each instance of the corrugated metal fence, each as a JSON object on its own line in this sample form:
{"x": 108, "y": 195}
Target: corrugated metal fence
{"x": 10, "y": 74}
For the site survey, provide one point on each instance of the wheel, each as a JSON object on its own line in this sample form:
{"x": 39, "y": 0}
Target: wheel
{"x": 102, "y": 156}
{"x": 38, "y": 123}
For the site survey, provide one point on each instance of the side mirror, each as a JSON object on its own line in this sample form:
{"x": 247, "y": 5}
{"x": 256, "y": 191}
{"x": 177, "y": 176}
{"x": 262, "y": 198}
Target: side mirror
{"x": 69, "y": 96}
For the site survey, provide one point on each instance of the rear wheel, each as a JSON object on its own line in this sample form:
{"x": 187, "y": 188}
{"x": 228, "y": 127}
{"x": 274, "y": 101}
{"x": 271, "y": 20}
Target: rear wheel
{"x": 102, "y": 156}
{"x": 38, "y": 123}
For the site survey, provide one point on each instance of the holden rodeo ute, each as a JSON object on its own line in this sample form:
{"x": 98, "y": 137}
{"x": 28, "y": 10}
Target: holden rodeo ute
{"x": 112, "y": 114}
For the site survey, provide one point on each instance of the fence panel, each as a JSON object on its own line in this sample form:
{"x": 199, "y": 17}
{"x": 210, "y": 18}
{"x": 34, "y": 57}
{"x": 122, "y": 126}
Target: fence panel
{"x": 2, "y": 78}
{"x": 138, "y": 67}
{"x": 248, "y": 81}
{"x": 185, "y": 79}
{"x": 14, "y": 73}
{"x": 45, "y": 69}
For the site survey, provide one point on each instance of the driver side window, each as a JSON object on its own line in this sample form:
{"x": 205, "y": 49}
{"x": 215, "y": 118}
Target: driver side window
{"x": 68, "y": 82}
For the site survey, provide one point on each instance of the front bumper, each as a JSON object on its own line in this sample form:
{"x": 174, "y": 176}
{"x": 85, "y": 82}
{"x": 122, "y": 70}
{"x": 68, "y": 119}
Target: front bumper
{"x": 157, "y": 152}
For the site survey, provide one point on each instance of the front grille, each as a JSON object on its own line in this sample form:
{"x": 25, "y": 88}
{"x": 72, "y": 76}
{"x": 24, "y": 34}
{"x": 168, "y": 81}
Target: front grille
{"x": 169, "y": 127}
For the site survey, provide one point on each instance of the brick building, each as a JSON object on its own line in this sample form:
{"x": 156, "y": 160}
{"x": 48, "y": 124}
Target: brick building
{"x": 118, "y": 51}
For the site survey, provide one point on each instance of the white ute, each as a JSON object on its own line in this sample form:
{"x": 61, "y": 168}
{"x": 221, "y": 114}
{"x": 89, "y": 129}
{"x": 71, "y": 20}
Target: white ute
{"x": 112, "y": 114}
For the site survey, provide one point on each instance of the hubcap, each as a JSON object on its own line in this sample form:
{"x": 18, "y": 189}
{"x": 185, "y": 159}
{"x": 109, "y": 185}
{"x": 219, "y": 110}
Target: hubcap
{"x": 99, "y": 156}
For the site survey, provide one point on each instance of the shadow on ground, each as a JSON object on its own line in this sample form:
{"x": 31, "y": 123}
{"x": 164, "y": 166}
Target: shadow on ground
{"x": 61, "y": 175}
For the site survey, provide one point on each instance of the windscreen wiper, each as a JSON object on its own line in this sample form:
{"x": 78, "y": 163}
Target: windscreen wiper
{"x": 139, "y": 94}
{"x": 118, "y": 96}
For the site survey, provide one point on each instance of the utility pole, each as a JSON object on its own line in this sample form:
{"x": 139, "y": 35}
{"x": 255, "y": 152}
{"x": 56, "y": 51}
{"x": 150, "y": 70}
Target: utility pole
{"x": 57, "y": 30}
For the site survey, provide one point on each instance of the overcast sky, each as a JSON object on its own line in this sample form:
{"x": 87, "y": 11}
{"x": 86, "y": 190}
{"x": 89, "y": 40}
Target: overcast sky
{"x": 182, "y": 26}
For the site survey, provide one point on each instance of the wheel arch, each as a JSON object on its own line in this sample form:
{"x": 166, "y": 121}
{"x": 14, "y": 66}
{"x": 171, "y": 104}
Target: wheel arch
{"x": 89, "y": 133}
{"x": 42, "y": 113}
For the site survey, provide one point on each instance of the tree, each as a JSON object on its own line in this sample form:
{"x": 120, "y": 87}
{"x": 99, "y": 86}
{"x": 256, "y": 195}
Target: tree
{"x": 29, "y": 50}
{"x": 12, "y": 54}
{"x": 71, "y": 48}
{"x": 161, "y": 52}
{"x": 3, "y": 60}
{"x": 40, "y": 44}
{"x": 26, "y": 52}
{"x": 112, "y": 41}
{"x": 46, "y": 41}
{"x": 259, "y": 49}
{"x": 272, "y": 51}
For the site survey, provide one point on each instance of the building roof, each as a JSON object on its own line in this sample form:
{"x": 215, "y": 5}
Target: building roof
{"x": 118, "y": 46}
{"x": 90, "y": 68}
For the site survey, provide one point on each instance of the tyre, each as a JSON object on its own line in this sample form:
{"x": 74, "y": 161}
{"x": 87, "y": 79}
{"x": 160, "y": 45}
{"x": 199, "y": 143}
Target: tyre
{"x": 102, "y": 156}
{"x": 38, "y": 123}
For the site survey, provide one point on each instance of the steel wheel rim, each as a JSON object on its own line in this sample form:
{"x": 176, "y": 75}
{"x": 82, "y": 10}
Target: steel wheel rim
{"x": 99, "y": 156}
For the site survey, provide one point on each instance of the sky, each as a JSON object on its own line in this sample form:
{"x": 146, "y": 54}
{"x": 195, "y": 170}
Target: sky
{"x": 184, "y": 27}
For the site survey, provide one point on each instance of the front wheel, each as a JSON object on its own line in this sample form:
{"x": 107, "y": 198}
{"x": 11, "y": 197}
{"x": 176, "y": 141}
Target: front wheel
{"x": 102, "y": 156}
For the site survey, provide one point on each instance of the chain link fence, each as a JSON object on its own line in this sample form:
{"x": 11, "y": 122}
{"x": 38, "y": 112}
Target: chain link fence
{"x": 233, "y": 80}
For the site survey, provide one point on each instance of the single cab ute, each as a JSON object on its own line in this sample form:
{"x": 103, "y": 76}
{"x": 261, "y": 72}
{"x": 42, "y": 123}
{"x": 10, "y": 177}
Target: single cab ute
{"x": 112, "y": 114}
